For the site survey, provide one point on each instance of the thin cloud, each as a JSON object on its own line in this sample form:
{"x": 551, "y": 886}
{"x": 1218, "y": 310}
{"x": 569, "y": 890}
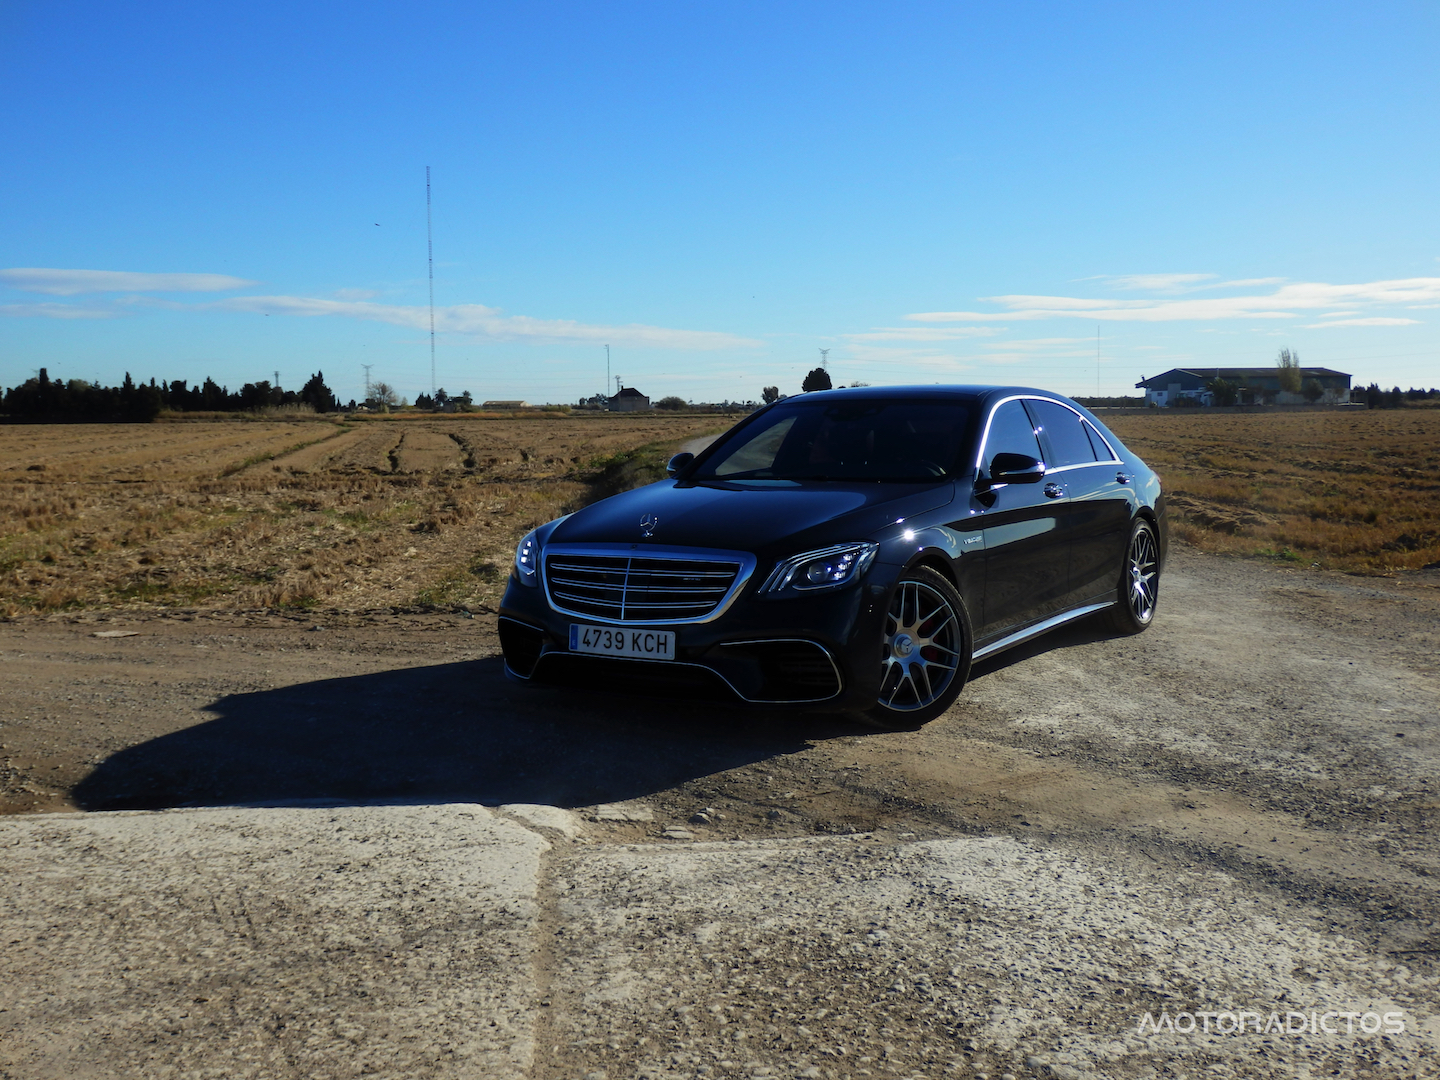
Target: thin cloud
{"x": 55, "y": 311}
{"x": 1285, "y": 302}
{"x": 1375, "y": 321}
{"x": 1159, "y": 282}
{"x": 926, "y": 333}
{"x": 74, "y": 282}
{"x": 488, "y": 322}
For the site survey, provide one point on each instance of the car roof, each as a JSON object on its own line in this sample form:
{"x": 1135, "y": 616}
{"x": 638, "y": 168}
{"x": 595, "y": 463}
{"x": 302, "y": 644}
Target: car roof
{"x": 928, "y": 390}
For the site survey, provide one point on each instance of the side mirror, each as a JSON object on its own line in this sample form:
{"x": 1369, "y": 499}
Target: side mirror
{"x": 678, "y": 463}
{"x": 1016, "y": 469}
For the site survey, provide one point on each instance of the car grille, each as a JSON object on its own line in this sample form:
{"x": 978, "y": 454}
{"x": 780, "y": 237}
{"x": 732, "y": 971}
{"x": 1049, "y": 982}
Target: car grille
{"x": 625, "y": 588}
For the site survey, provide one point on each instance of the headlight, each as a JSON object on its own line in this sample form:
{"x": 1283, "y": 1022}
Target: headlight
{"x": 527, "y": 560}
{"x": 828, "y": 568}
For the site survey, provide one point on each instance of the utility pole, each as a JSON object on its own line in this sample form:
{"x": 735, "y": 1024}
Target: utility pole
{"x": 1097, "y": 359}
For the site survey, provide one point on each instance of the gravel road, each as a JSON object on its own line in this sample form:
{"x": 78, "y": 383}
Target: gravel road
{"x": 375, "y": 856}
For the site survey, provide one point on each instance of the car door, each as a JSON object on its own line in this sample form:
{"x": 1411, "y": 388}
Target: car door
{"x": 1026, "y": 562}
{"x": 1096, "y": 519}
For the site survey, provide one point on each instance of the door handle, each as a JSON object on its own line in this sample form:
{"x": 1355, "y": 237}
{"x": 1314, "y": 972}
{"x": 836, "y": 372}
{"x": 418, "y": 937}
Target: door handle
{"x": 1054, "y": 491}
{"x": 1123, "y": 478}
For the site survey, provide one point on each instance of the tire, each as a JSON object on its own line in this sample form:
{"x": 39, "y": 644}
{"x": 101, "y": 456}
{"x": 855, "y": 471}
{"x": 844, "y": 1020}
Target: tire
{"x": 924, "y": 651}
{"x": 1138, "y": 590}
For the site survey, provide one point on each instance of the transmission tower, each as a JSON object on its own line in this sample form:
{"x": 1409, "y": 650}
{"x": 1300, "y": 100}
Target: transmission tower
{"x": 607, "y": 369}
{"x": 824, "y": 357}
{"x": 367, "y": 368}
{"x": 430, "y": 254}
{"x": 277, "y": 380}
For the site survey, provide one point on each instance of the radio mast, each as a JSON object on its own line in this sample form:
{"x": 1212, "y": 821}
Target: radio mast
{"x": 430, "y": 254}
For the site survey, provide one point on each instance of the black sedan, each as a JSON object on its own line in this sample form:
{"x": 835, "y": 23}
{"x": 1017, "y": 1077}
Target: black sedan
{"x": 854, "y": 550}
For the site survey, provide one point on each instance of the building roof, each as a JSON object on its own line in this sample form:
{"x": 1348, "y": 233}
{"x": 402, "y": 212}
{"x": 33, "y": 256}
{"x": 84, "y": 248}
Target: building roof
{"x": 628, "y": 392}
{"x": 1235, "y": 374}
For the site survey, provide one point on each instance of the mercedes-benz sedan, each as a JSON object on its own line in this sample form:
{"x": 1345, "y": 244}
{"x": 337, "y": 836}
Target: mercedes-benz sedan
{"x": 854, "y": 550}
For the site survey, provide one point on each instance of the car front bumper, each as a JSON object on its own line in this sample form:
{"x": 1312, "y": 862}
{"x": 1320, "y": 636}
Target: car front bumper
{"x": 820, "y": 649}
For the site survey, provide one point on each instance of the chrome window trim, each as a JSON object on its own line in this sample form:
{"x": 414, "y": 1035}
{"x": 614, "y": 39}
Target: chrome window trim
{"x": 745, "y": 567}
{"x": 1115, "y": 459}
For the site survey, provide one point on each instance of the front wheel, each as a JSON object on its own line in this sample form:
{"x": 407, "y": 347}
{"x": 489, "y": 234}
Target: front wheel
{"x": 924, "y": 651}
{"x": 1139, "y": 589}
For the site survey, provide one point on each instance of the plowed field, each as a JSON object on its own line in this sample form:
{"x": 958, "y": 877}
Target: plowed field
{"x": 392, "y": 513}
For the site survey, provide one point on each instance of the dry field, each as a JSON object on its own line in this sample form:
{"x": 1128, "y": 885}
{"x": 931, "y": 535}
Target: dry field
{"x": 1348, "y": 489}
{"x": 349, "y": 515}
{"x": 425, "y": 511}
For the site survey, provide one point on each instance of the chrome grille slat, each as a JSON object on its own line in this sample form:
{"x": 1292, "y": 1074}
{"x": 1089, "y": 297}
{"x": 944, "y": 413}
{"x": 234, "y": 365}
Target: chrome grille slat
{"x": 642, "y": 588}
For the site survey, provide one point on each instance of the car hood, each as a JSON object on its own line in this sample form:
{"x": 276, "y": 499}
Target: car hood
{"x": 750, "y": 515}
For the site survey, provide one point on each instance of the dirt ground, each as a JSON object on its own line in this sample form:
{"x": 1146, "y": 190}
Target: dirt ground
{"x": 1281, "y": 725}
{"x": 1273, "y": 740}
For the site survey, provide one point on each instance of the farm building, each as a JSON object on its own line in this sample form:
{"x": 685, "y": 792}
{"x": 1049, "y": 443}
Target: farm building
{"x": 629, "y": 400}
{"x": 505, "y": 405}
{"x": 1256, "y": 386}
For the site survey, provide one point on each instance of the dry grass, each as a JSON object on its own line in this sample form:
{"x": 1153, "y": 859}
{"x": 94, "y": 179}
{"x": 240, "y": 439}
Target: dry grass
{"x": 1346, "y": 488}
{"x": 299, "y": 514}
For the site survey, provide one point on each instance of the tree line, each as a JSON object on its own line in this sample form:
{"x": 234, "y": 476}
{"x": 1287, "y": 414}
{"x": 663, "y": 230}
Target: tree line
{"x": 43, "y": 399}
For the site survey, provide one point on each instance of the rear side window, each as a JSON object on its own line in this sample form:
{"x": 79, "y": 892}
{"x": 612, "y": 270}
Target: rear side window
{"x": 1064, "y": 431}
{"x": 1098, "y": 444}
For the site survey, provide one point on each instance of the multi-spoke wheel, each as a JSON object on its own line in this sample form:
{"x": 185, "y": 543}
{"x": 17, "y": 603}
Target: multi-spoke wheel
{"x": 1139, "y": 588}
{"x": 924, "y": 652}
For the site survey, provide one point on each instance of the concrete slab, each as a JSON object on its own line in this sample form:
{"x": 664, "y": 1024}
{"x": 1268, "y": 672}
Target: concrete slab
{"x": 963, "y": 957}
{"x": 296, "y": 942}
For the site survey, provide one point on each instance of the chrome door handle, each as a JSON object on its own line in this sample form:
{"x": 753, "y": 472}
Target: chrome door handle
{"x": 1054, "y": 491}
{"x": 1123, "y": 478}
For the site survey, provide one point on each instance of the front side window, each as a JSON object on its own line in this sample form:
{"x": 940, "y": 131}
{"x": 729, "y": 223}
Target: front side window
{"x": 1011, "y": 432}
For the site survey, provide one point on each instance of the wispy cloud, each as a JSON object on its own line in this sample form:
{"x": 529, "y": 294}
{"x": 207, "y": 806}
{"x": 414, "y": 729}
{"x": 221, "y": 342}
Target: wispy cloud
{"x": 1374, "y": 321}
{"x": 926, "y": 333}
{"x": 1159, "y": 282}
{"x": 488, "y": 322}
{"x": 74, "y": 282}
{"x": 55, "y": 311}
{"x": 1285, "y": 302}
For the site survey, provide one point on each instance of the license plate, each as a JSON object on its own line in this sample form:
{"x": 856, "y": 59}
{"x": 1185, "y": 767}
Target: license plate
{"x": 620, "y": 641}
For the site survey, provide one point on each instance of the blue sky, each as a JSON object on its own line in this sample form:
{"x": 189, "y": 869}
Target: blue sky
{"x": 933, "y": 192}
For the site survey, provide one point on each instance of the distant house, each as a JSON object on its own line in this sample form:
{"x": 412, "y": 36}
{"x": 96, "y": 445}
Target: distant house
{"x": 629, "y": 400}
{"x": 506, "y": 405}
{"x": 1256, "y": 386}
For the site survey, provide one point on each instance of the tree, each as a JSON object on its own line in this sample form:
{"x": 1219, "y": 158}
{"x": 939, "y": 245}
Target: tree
{"x": 318, "y": 395}
{"x": 382, "y": 397}
{"x": 770, "y": 395}
{"x": 818, "y": 379}
{"x": 1287, "y": 366}
{"x": 672, "y": 402}
{"x": 1225, "y": 393}
{"x": 1312, "y": 390}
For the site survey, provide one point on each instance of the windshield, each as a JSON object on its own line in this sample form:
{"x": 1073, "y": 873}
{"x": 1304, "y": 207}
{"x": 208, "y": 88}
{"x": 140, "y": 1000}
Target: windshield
{"x": 904, "y": 441}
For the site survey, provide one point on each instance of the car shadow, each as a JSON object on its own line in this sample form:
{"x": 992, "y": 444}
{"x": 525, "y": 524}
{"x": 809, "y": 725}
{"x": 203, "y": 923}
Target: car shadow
{"x": 452, "y": 732}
